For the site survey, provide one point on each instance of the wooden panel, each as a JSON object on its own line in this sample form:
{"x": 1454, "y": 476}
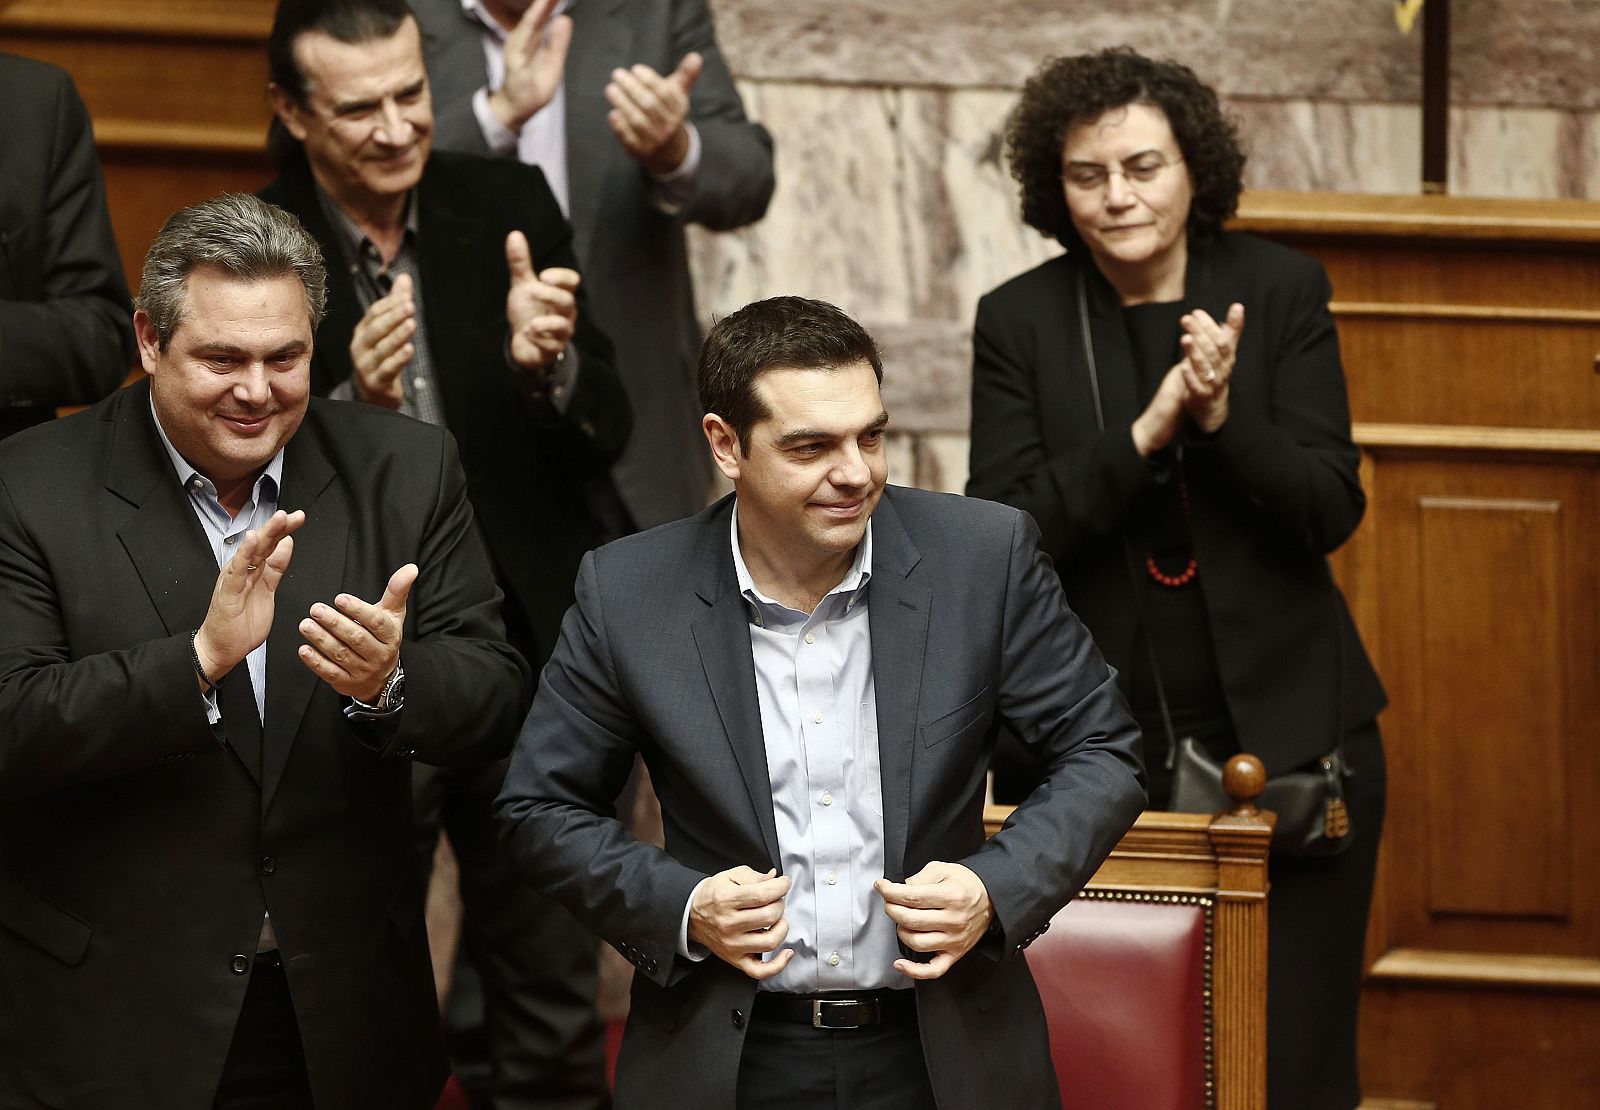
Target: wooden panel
{"x": 1492, "y": 672}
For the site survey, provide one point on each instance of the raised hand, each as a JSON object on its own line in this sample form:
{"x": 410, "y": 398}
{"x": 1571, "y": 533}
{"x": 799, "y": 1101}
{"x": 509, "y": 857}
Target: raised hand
{"x": 536, "y": 58}
{"x": 1161, "y": 420}
{"x": 381, "y": 346}
{"x": 1209, "y": 350}
{"x": 541, "y": 308}
{"x": 245, "y": 595}
{"x": 354, "y": 645}
{"x": 943, "y": 909}
{"x": 738, "y": 915}
{"x": 648, "y": 112}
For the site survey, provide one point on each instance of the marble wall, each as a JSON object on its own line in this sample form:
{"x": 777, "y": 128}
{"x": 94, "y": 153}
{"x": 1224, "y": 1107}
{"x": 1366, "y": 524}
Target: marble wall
{"x": 893, "y": 200}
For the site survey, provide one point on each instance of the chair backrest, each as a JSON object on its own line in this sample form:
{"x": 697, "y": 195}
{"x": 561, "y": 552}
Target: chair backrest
{"x": 1154, "y": 979}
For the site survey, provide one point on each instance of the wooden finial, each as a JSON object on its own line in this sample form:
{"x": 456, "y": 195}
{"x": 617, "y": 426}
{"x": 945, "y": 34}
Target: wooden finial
{"x": 1244, "y": 778}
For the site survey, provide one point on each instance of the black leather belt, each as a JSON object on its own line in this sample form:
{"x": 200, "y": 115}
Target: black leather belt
{"x": 841, "y": 1009}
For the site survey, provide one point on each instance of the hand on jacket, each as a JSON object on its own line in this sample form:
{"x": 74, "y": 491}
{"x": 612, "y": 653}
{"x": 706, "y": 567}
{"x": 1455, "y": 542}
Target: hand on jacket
{"x": 648, "y": 112}
{"x": 245, "y": 595}
{"x": 943, "y": 909}
{"x": 738, "y": 915}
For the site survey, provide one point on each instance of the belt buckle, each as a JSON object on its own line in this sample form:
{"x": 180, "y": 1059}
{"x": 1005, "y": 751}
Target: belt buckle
{"x": 818, "y": 1008}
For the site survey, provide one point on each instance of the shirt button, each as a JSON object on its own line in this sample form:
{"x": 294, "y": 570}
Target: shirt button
{"x": 811, "y": 637}
{"x": 833, "y": 960}
{"x": 419, "y": 383}
{"x": 817, "y": 716}
{"x": 231, "y": 539}
{"x": 827, "y": 798}
{"x": 268, "y": 865}
{"x": 833, "y": 878}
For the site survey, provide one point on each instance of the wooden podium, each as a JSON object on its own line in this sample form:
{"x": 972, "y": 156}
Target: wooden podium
{"x": 1471, "y": 338}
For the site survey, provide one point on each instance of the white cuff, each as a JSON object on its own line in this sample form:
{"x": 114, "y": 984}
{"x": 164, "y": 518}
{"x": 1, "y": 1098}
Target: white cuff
{"x": 671, "y": 189}
{"x": 686, "y": 949}
{"x": 501, "y": 139}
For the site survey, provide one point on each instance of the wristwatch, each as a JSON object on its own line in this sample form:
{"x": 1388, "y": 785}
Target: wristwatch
{"x": 389, "y": 700}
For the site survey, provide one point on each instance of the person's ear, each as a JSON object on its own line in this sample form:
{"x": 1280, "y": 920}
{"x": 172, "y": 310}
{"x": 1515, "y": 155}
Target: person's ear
{"x": 288, "y": 111}
{"x": 144, "y": 330}
{"x": 724, "y": 443}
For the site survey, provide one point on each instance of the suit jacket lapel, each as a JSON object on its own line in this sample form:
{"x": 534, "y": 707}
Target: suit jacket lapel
{"x": 315, "y": 574}
{"x": 898, "y": 611}
{"x": 296, "y": 191}
{"x": 722, "y": 636}
{"x": 455, "y": 255}
{"x": 163, "y": 538}
{"x": 601, "y": 38}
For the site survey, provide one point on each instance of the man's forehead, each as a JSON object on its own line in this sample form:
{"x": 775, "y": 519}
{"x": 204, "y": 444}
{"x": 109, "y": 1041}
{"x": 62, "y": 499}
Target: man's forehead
{"x": 325, "y": 63}
{"x": 810, "y": 394}
{"x": 218, "y": 303}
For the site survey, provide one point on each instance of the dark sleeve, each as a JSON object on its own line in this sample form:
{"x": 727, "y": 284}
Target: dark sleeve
{"x": 66, "y": 333}
{"x": 1060, "y": 698}
{"x": 595, "y": 423}
{"x": 1076, "y": 495}
{"x": 1296, "y": 463}
{"x": 734, "y": 181}
{"x": 466, "y": 688}
{"x": 557, "y": 810}
{"x": 64, "y": 721}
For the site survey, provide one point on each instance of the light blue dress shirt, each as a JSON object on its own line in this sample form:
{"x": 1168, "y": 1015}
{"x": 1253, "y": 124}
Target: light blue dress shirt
{"x": 819, "y": 720}
{"x": 225, "y": 532}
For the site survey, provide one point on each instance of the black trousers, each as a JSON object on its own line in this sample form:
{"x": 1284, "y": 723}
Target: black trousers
{"x": 789, "y": 1066}
{"x": 523, "y": 1029}
{"x": 266, "y": 1065}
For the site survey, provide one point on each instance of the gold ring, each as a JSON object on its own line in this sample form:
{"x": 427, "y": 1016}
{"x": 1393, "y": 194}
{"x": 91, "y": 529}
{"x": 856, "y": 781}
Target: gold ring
{"x": 250, "y": 566}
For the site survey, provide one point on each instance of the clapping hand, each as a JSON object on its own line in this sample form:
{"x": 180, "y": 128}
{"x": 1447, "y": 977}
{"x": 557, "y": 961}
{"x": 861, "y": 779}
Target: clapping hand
{"x": 541, "y": 308}
{"x": 381, "y": 346}
{"x": 354, "y": 646}
{"x": 1209, "y": 349}
{"x": 536, "y": 59}
{"x": 648, "y": 112}
{"x": 245, "y": 596}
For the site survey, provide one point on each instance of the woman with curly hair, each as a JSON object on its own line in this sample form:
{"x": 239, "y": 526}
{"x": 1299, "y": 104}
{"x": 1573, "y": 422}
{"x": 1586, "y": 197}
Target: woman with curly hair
{"x": 1166, "y": 399}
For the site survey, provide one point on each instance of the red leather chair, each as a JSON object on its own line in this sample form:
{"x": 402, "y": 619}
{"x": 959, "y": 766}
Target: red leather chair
{"x": 1154, "y": 978}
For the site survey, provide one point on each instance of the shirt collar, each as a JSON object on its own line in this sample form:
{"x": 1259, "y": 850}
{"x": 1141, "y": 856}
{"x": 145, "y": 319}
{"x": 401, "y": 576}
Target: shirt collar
{"x": 356, "y": 243}
{"x": 851, "y": 585}
{"x": 187, "y": 473}
{"x": 475, "y": 11}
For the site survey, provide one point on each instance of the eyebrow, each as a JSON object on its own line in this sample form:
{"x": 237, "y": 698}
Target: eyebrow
{"x": 212, "y": 350}
{"x": 346, "y": 107}
{"x": 801, "y": 435}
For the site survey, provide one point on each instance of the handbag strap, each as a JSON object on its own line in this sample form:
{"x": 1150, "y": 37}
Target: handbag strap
{"x": 1127, "y": 552}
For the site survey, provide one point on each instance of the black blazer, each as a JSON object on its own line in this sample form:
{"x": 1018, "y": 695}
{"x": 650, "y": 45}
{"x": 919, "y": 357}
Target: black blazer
{"x": 538, "y": 479}
{"x": 1270, "y": 494}
{"x": 138, "y": 849}
{"x": 66, "y": 332}
{"x": 969, "y": 631}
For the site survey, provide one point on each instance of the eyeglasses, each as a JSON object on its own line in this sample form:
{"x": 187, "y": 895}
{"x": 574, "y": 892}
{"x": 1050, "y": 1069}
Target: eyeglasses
{"x": 1141, "y": 169}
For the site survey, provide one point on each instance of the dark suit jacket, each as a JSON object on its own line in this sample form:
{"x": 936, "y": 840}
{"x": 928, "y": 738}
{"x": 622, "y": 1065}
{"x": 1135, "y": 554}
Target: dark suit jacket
{"x": 1269, "y": 495}
{"x": 66, "y": 333}
{"x": 968, "y": 630}
{"x": 538, "y": 479}
{"x": 636, "y": 261}
{"x": 138, "y": 848}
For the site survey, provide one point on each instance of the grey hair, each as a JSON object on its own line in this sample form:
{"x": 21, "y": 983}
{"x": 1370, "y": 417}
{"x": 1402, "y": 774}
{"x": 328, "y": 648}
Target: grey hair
{"x": 242, "y": 236}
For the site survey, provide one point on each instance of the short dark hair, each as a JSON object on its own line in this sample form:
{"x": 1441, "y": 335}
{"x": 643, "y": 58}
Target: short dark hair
{"x": 1065, "y": 92}
{"x": 780, "y": 332}
{"x": 347, "y": 21}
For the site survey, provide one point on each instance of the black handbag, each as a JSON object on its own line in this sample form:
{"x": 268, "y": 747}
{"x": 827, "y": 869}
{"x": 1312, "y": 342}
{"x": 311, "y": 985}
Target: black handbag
{"x": 1313, "y": 819}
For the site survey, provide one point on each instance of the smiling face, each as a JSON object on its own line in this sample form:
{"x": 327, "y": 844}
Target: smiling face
{"x": 1136, "y": 230}
{"x": 812, "y": 472}
{"x": 233, "y": 383}
{"x": 367, "y": 120}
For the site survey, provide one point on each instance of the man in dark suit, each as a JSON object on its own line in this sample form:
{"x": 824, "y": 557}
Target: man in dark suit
{"x": 208, "y": 885}
{"x": 641, "y": 132}
{"x": 64, "y": 309}
{"x": 454, "y": 297}
{"x": 816, "y": 692}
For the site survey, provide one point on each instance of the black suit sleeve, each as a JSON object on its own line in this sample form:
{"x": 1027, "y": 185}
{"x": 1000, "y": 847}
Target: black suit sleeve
{"x": 1060, "y": 698}
{"x": 466, "y": 688}
{"x": 66, "y": 335}
{"x": 1296, "y": 461}
{"x": 557, "y": 809}
{"x": 1074, "y": 495}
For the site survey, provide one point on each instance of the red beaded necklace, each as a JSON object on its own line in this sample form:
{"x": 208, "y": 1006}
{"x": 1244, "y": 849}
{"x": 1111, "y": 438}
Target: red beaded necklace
{"x": 1190, "y": 572}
